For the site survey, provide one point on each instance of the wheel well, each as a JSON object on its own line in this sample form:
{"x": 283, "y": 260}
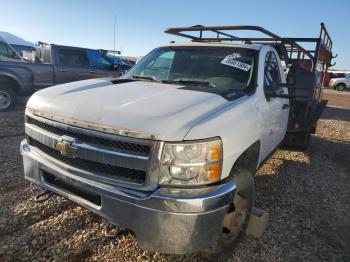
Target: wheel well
{"x": 340, "y": 84}
{"x": 249, "y": 158}
{"x": 6, "y": 81}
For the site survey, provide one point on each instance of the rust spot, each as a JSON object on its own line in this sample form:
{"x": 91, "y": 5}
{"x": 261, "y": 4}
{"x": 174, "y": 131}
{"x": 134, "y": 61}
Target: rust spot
{"x": 91, "y": 125}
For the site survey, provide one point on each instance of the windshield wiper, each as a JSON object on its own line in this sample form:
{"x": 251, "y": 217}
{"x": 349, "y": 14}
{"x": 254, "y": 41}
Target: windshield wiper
{"x": 198, "y": 82}
{"x": 152, "y": 78}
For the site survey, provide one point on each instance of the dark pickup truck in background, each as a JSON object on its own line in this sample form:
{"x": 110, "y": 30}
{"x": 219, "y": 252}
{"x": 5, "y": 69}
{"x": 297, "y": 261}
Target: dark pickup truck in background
{"x": 54, "y": 65}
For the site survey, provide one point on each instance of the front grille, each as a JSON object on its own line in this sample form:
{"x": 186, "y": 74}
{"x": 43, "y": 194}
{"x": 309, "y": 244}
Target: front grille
{"x": 109, "y": 144}
{"x": 110, "y": 171}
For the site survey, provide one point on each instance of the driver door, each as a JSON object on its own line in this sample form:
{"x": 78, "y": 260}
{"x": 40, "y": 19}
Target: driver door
{"x": 276, "y": 109}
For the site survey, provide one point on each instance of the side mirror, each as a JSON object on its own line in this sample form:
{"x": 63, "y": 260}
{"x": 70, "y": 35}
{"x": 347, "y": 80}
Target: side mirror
{"x": 115, "y": 67}
{"x": 274, "y": 90}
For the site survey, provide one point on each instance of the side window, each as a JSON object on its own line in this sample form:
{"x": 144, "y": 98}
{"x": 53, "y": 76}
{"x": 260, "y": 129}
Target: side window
{"x": 3, "y": 49}
{"x": 6, "y": 51}
{"x": 73, "y": 57}
{"x": 271, "y": 73}
{"x": 97, "y": 60}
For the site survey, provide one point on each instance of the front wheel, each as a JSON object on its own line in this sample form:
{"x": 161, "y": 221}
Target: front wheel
{"x": 7, "y": 98}
{"x": 340, "y": 87}
{"x": 238, "y": 214}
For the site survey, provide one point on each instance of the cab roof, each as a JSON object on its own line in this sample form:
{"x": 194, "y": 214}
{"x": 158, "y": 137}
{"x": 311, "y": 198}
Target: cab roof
{"x": 223, "y": 44}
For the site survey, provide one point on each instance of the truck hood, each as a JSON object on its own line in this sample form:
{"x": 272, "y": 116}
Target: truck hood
{"x": 139, "y": 109}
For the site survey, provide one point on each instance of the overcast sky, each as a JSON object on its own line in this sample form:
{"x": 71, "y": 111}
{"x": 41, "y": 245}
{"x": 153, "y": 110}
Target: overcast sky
{"x": 140, "y": 24}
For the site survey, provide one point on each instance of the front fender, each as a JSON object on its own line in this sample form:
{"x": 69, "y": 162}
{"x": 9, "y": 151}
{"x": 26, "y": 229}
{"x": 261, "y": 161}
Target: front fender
{"x": 237, "y": 125}
{"x": 23, "y": 76}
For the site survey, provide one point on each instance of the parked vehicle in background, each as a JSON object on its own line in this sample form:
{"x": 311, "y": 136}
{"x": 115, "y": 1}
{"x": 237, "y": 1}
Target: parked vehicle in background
{"x": 17, "y": 43}
{"x": 20, "y": 48}
{"x": 170, "y": 150}
{"x": 129, "y": 60}
{"x": 122, "y": 65}
{"x": 7, "y": 52}
{"x": 340, "y": 83}
{"x": 56, "y": 64}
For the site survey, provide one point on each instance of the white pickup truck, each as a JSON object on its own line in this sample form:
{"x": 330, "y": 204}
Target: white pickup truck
{"x": 170, "y": 150}
{"x": 340, "y": 83}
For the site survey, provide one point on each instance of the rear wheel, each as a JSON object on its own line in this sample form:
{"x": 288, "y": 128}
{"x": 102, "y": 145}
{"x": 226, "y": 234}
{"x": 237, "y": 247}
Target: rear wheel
{"x": 340, "y": 87}
{"x": 7, "y": 98}
{"x": 237, "y": 216}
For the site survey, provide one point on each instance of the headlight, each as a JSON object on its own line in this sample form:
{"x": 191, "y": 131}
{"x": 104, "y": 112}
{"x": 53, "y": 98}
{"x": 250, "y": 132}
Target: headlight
{"x": 191, "y": 163}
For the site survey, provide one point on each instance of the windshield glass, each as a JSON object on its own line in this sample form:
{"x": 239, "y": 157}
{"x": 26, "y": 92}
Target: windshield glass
{"x": 222, "y": 68}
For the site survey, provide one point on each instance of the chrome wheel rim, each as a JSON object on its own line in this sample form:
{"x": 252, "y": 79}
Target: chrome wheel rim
{"x": 236, "y": 218}
{"x": 5, "y": 100}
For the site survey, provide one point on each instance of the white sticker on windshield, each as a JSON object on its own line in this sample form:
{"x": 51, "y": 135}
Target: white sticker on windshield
{"x": 230, "y": 61}
{"x": 234, "y": 55}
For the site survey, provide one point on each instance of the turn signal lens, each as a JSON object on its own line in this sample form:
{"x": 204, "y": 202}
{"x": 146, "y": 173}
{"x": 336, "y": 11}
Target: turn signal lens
{"x": 215, "y": 151}
{"x": 215, "y": 171}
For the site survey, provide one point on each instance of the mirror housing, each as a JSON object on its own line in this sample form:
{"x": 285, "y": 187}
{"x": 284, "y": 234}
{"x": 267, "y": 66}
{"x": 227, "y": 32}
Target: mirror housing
{"x": 273, "y": 90}
{"x": 115, "y": 67}
{"x": 276, "y": 91}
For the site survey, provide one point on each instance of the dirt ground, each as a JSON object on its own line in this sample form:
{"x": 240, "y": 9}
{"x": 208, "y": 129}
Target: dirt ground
{"x": 337, "y": 98}
{"x": 306, "y": 194}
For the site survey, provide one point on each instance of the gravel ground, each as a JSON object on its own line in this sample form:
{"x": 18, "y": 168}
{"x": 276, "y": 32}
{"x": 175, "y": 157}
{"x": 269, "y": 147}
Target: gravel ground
{"x": 306, "y": 194}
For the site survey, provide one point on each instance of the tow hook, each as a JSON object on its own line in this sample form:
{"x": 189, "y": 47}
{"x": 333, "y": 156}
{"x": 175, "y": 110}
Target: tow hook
{"x": 257, "y": 222}
{"x": 44, "y": 196}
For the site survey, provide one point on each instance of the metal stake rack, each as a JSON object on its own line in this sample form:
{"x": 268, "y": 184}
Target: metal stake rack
{"x": 290, "y": 48}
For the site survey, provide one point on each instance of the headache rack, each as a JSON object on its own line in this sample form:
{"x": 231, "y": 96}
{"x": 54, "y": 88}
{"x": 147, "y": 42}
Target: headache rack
{"x": 306, "y": 62}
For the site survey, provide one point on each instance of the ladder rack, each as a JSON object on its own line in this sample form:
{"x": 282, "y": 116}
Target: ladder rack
{"x": 290, "y": 48}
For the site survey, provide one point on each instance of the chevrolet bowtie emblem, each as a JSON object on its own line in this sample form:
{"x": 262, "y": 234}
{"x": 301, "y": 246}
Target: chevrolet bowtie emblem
{"x": 64, "y": 145}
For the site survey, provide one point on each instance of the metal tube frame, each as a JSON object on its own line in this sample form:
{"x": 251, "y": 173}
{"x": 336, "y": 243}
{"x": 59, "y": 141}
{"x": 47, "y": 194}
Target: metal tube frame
{"x": 290, "y": 44}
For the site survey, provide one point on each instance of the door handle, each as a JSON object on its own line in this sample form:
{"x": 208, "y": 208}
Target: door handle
{"x": 92, "y": 71}
{"x": 63, "y": 70}
{"x": 285, "y": 106}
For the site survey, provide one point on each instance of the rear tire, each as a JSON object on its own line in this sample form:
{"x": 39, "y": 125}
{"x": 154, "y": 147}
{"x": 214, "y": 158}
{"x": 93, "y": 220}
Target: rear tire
{"x": 7, "y": 98}
{"x": 340, "y": 87}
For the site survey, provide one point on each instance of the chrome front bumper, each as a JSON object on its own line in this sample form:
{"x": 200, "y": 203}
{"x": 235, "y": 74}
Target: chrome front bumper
{"x": 167, "y": 220}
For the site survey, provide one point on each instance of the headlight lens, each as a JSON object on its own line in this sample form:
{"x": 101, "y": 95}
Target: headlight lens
{"x": 191, "y": 163}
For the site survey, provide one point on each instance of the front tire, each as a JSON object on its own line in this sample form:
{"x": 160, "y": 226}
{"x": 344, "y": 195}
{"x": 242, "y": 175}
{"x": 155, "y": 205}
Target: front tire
{"x": 7, "y": 99}
{"x": 340, "y": 87}
{"x": 238, "y": 214}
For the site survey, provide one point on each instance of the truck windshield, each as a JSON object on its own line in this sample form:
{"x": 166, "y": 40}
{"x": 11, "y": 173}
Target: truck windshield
{"x": 224, "y": 69}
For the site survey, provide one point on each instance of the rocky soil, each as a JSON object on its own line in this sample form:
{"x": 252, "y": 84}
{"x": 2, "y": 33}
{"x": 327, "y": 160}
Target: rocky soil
{"x": 306, "y": 194}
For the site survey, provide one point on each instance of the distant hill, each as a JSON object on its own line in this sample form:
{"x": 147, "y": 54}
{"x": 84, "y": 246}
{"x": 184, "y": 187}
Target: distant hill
{"x": 15, "y": 40}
